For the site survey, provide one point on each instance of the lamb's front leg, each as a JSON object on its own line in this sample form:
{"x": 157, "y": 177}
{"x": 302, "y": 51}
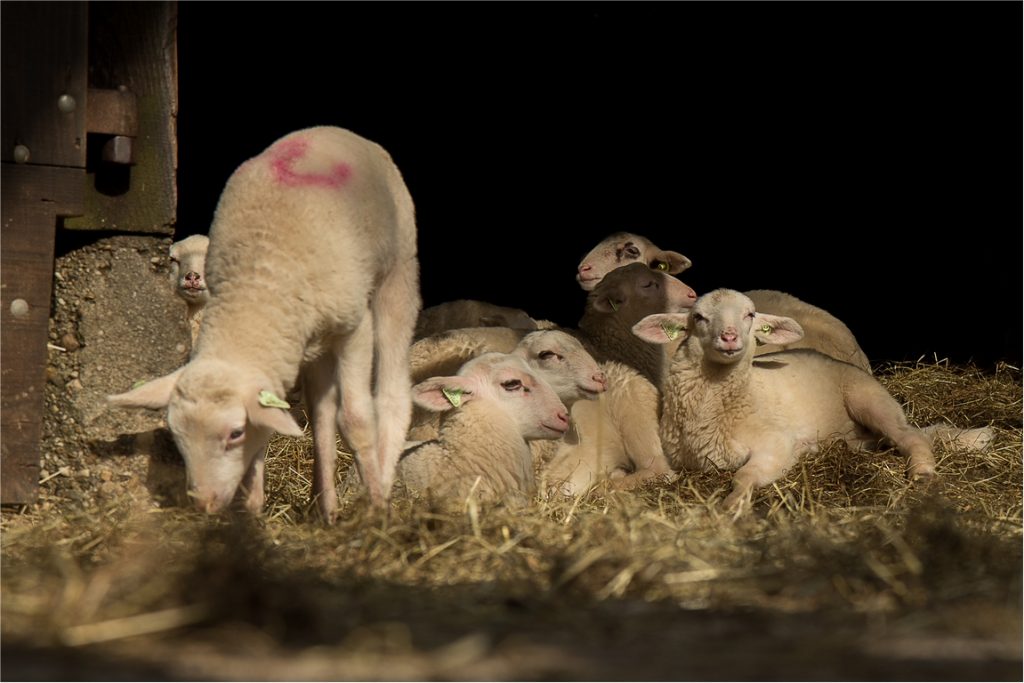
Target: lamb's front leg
{"x": 252, "y": 484}
{"x": 766, "y": 464}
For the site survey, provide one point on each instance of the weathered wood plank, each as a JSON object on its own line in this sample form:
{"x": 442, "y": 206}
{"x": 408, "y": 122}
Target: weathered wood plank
{"x": 135, "y": 45}
{"x": 42, "y": 57}
{"x": 32, "y": 198}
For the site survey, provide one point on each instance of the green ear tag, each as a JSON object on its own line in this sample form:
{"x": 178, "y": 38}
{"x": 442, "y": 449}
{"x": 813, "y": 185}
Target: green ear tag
{"x": 671, "y": 331}
{"x": 766, "y": 329}
{"x": 612, "y": 304}
{"x": 269, "y": 400}
{"x": 138, "y": 384}
{"x": 454, "y": 396}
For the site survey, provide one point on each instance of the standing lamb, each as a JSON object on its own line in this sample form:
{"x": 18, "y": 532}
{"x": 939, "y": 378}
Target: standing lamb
{"x": 188, "y": 273}
{"x": 311, "y": 268}
{"x": 721, "y": 407}
{"x": 482, "y": 449}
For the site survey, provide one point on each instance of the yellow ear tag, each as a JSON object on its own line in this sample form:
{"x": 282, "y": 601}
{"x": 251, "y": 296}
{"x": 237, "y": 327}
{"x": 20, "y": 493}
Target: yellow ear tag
{"x": 138, "y": 384}
{"x": 454, "y": 396}
{"x": 671, "y": 331}
{"x": 612, "y": 304}
{"x": 662, "y": 265}
{"x": 766, "y": 329}
{"x": 269, "y": 400}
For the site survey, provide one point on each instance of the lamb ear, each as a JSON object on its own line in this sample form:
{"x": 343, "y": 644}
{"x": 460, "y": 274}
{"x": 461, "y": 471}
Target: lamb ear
{"x": 439, "y": 394}
{"x": 662, "y": 328}
{"x": 156, "y": 393}
{"x": 608, "y": 304}
{"x": 673, "y": 260}
{"x": 267, "y": 410}
{"x": 776, "y": 329}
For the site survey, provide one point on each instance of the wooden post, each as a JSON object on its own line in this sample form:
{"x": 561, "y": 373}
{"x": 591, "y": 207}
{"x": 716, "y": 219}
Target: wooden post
{"x": 42, "y": 145}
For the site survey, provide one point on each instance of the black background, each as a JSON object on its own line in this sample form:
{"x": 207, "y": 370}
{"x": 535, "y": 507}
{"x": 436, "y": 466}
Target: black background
{"x": 865, "y": 157}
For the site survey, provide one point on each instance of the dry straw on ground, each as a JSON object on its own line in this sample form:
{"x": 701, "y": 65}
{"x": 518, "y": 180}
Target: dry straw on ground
{"x": 841, "y": 570}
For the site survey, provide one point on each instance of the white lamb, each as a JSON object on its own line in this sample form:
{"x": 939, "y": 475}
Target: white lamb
{"x": 188, "y": 273}
{"x": 311, "y": 268}
{"x": 723, "y": 408}
{"x": 482, "y": 450}
{"x": 822, "y": 330}
{"x": 461, "y": 313}
{"x": 554, "y": 356}
{"x": 622, "y": 249}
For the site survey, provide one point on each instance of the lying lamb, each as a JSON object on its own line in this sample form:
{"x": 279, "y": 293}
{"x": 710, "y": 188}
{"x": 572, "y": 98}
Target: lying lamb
{"x": 188, "y": 273}
{"x": 554, "y": 356}
{"x": 482, "y": 450}
{"x": 453, "y": 315}
{"x": 622, "y": 249}
{"x": 311, "y": 268}
{"x": 822, "y": 330}
{"x": 721, "y": 407}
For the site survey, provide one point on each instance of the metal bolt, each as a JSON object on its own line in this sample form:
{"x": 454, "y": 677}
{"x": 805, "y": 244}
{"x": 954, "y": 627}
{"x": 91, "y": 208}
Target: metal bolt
{"x": 66, "y": 103}
{"x": 118, "y": 150}
{"x": 19, "y": 308}
{"x": 21, "y": 154}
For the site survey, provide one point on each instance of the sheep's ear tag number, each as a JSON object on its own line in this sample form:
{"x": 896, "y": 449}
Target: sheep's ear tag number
{"x": 269, "y": 400}
{"x": 454, "y": 396}
{"x": 766, "y": 329}
{"x": 671, "y": 331}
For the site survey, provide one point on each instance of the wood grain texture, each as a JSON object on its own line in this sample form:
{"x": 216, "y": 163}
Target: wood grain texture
{"x": 135, "y": 45}
{"x": 43, "y": 56}
{"x": 32, "y": 199}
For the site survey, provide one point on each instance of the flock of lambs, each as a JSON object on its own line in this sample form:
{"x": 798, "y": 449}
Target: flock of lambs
{"x": 310, "y": 284}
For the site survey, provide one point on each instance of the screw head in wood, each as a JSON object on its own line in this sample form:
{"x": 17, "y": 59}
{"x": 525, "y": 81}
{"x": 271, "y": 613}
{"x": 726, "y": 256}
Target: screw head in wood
{"x": 66, "y": 103}
{"x": 19, "y": 308}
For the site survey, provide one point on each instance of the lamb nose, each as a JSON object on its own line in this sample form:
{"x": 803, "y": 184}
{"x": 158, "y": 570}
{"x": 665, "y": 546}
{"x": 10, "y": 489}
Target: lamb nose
{"x": 562, "y": 417}
{"x": 599, "y": 378}
{"x": 691, "y": 295}
{"x": 728, "y": 336}
{"x": 585, "y": 267}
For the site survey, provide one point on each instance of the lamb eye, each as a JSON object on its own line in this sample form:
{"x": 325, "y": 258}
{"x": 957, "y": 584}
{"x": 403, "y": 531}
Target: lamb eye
{"x": 236, "y": 434}
{"x": 545, "y": 355}
{"x": 632, "y": 251}
{"x": 750, "y": 315}
{"x": 698, "y": 318}
{"x": 512, "y": 385}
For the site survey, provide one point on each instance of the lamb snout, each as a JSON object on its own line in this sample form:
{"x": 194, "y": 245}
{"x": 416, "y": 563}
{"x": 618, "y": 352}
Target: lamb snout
{"x": 560, "y": 423}
{"x": 585, "y": 274}
{"x": 729, "y": 342}
{"x": 598, "y": 383}
{"x": 193, "y": 280}
{"x": 680, "y": 296}
{"x": 209, "y": 502}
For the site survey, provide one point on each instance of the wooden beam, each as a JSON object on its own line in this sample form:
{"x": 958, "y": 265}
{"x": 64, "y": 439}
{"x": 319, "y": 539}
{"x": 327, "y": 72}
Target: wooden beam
{"x": 32, "y": 199}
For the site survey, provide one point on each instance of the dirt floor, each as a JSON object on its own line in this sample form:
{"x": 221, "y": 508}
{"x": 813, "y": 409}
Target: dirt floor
{"x": 842, "y": 571}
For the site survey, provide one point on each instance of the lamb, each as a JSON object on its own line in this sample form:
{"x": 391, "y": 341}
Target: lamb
{"x": 453, "y": 315}
{"x": 823, "y": 331}
{"x": 482, "y": 446}
{"x": 554, "y": 356}
{"x": 312, "y": 270}
{"x": 619, "y": 435}
{"x": 721, "y": 407}
{"x": 188, "y": 273}
{"x": 624, "y": 248}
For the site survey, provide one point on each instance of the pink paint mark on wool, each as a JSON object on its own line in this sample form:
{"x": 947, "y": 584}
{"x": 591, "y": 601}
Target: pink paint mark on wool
{"x": 284, "y": 156}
